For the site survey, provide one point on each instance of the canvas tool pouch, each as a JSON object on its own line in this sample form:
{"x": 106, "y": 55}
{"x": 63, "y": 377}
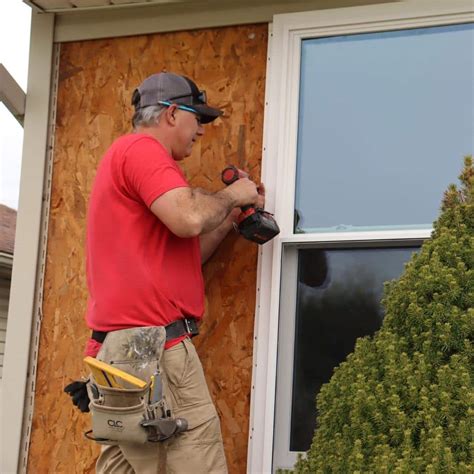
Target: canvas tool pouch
{"x": 117, "y": 413}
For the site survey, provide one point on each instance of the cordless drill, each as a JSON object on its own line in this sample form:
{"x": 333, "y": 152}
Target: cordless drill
{"x": 253, "y": 223}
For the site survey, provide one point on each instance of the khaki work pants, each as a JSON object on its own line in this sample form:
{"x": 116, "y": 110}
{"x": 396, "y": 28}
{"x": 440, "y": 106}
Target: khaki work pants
{"x": 198, "y": 450}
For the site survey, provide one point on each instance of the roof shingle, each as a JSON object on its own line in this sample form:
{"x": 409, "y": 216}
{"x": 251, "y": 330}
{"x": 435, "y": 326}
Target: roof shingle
{"x": 7, "y": 229}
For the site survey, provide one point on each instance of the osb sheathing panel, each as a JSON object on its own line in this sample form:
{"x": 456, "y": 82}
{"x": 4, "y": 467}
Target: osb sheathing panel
{"x": 96, "y": 82}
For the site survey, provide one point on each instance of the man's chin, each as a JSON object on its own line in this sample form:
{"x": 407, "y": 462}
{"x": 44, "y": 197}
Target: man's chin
{"x": 179, "y": 156}
{"x": 186, "y": 154}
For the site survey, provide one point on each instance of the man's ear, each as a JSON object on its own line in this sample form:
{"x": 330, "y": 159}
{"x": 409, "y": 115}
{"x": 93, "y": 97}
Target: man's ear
{"x": 170, "y": 114}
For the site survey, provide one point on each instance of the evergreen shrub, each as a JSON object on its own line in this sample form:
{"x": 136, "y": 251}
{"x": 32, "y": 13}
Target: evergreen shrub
{"x": 403, "y": 400}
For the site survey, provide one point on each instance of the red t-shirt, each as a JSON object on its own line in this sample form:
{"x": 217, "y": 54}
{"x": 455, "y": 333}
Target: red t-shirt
{"x": 138, "y": 272}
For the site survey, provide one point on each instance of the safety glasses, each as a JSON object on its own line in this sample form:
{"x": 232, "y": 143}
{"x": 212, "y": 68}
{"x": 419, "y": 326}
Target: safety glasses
{"x": 167, "y": 103}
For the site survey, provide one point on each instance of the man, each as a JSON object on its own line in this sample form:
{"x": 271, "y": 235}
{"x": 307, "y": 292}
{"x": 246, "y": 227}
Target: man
{"x": 148, "y": 234}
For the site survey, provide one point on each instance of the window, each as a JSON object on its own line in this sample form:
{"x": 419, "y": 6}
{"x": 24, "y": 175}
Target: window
{"x": 369, "y": 116}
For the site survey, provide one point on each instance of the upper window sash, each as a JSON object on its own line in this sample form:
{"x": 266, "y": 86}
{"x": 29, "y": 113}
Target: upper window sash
{"x": 288, "y": 33}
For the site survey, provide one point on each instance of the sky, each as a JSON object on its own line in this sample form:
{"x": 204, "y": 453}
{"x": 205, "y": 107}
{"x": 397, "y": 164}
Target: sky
{"x": 14, "y": 47}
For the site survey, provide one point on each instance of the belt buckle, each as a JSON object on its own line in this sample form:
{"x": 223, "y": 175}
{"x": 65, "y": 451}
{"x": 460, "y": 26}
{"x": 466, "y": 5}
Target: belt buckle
{"x": 187, "y": 326}
{"x": 190, "y": 327}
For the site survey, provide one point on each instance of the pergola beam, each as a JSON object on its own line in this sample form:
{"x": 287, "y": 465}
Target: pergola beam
{"x": 12, "y": 95}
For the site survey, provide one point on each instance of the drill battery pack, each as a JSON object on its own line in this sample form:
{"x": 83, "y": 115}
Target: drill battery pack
{"x": 257, "y": 225}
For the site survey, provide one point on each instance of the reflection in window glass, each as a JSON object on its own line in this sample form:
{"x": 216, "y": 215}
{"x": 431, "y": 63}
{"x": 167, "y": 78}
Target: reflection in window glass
{"x": 384, "y": 122}
{"x": 338, "y": 300}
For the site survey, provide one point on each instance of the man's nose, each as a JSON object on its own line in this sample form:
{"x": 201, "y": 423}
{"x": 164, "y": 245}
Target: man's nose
{"x": 200, "y": 130}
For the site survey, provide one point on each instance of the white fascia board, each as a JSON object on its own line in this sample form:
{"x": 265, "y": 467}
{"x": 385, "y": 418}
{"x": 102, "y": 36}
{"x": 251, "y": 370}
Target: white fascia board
{"x": 27, "y": 238}
{"x": 12, "y": 95}
{"x": 36, "y": 8}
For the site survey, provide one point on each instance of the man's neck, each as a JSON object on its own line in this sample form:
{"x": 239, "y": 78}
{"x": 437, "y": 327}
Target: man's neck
{"x": 156, "y": 133}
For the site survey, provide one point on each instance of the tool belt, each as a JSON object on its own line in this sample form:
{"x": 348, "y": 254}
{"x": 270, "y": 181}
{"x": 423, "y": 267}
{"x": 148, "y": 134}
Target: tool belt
{"x": 178, "y": 328}
{"x": 124, "y": 410}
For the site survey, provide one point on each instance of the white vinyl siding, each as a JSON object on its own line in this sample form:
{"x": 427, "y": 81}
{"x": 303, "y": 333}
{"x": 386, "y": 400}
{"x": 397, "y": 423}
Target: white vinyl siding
{"x": 4, "y": 296}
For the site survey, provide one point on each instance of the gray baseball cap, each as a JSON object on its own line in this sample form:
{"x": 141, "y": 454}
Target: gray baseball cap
{"x": 166, "y": 88}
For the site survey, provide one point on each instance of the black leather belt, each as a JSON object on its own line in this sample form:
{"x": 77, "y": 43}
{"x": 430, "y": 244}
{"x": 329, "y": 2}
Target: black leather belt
{"x": 178, "y": 328}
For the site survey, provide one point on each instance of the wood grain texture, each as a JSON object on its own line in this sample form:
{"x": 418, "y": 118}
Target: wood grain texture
{"x": 97, "y": 79}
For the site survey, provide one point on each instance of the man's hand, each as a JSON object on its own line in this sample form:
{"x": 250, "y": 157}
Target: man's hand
{"x": 243, "y": 191}
{"x": 261, "y": 196}
{"x": 233, "y": 216}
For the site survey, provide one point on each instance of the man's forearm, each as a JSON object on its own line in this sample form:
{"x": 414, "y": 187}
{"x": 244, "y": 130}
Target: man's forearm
{"x": 213, "y": 208}
{"x": 210, "y": 241}
{"x": 189, "y": 212}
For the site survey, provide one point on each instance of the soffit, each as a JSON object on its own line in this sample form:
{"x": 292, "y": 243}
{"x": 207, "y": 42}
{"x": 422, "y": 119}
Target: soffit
{"x": 89, "y": 6}
{"x": 70, "y": 6}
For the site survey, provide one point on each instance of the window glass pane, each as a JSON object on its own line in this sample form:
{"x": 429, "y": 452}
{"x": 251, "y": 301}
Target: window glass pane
{"x": 338, "y": 300}
{"x": 384, "y": 122}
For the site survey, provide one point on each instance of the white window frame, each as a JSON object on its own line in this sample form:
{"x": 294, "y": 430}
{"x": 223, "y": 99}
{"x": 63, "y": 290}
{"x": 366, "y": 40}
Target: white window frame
{"x": 279, "y": 175}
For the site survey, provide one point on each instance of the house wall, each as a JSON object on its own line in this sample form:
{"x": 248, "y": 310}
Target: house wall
{"x": 96, "y": 80}
{"x": 4, "y": 297}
